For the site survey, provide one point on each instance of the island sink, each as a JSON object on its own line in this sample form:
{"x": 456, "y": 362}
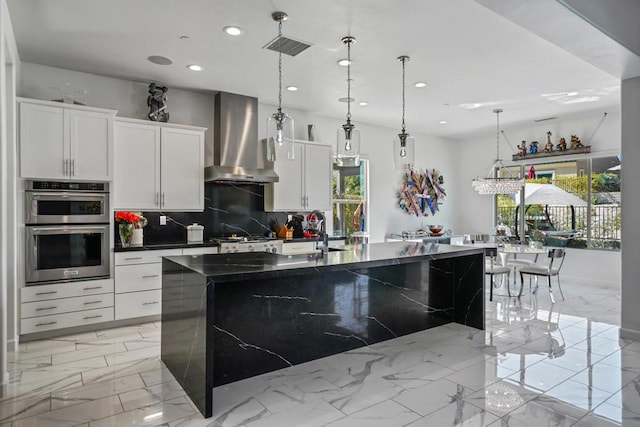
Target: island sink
{"x": 228, "y": 317}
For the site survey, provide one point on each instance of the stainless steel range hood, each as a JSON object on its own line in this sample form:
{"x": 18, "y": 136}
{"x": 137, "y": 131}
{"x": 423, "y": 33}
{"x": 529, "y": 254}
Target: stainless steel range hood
{"x": 237, "y": 154}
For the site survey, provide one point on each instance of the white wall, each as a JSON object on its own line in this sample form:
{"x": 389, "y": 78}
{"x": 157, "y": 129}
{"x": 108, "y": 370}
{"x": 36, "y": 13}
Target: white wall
{"x": 476, "y": 155}
{"x": 9, "y": 66}
{"x": 377, "y": 146}
{"x": 630, "y": 322}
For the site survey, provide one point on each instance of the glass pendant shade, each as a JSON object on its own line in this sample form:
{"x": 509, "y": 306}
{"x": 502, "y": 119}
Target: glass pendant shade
{"x": 348, "y": 145}
{"x": 280, "y": 137}
{"x": 404, "y": 151}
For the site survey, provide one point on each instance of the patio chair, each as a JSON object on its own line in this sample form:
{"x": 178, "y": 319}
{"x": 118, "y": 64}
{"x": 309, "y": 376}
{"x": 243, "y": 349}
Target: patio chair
{"x": 546, "y": 270}
{"x": 492, "y": 269}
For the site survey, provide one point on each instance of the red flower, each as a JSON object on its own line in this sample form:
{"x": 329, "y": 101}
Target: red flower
{"x": 127, "y": 218}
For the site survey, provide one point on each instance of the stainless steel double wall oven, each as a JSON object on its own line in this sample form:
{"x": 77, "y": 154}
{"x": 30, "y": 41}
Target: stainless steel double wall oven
{"x": 67, "y": 231}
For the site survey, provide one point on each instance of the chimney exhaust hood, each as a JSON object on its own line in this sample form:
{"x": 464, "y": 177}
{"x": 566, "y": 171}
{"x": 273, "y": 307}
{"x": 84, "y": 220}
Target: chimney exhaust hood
{"x": 238, "y": 156}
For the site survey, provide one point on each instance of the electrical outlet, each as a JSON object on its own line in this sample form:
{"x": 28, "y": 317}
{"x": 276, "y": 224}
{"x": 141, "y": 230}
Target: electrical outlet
{"x": 163, "y": 220}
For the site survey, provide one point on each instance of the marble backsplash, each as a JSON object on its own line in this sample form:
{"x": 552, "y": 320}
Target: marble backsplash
{"x": 229, "y": 209}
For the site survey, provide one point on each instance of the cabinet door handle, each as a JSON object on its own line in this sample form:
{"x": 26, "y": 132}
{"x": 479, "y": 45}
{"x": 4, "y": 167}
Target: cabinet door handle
{"x": 89, "y": 288}
{"x": 73, "y": 167}
{"x": 151, "y": 302}
{"x": 46, "y": 293}
{"x": 132, "y": 258}
{"x": 46, "y": 323}
{"x": 92, "y": 302}
{"x": 92, "y": 317}
{"x": 47, "y": 308}
{"x": 65, "y": 162}
{"x": 162, "y": 200}
{"x": 157, "y": 199}
{"x": 149, "y": 276}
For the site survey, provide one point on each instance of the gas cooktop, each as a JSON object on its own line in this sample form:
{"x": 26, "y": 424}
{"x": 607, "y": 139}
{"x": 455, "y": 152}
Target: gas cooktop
{"x": 242, "y": 239}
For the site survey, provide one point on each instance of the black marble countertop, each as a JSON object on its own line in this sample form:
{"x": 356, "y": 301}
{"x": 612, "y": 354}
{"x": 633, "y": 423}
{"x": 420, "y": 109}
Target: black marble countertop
{"x": 238, "y": 266}
{"x": 161, "y": 246}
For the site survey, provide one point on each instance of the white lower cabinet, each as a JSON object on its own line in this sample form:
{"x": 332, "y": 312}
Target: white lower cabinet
{"x": 63, "y": 305}
{"x": 138, "y": 280}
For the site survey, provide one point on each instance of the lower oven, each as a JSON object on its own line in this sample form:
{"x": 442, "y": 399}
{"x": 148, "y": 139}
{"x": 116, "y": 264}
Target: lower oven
{"x": 56, "y": 253}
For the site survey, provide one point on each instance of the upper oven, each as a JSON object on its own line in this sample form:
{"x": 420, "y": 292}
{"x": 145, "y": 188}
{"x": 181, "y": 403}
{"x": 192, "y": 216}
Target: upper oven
{"x": 67, "y": 202}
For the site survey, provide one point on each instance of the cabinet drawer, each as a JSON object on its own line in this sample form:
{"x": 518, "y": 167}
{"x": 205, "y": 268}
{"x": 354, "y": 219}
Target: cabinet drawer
{"x": 66, "y": 320}
{"x": 141, "y": 277}
{"x": 138, "y": 304}
{"x": 144, "y": 257}
{"x": 65, "y": 305}
{"x": 200, "y": 251}
{"x": 298, "y": 248}
{"x": 65, "y": 290}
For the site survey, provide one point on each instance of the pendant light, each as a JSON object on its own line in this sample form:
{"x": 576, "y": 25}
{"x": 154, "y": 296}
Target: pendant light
{"x": 348, "y": 141}
{"x": 280, "y": 124}
{"x": 404, "y": 145}
{"x": 497, "y": 185}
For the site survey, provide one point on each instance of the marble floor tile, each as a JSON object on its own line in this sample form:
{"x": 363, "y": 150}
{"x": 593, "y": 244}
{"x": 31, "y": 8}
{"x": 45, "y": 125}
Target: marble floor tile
{"x": 534, "y": 414}
{"x": 385, "y": 414}
{"x": 459, "y": 413}
{"x": 313, "y": 414}
{"x": 536, "y": 364}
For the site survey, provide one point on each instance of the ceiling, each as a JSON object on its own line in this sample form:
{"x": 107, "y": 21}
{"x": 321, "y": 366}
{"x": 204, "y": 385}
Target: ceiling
{"x": 473, "y": 59}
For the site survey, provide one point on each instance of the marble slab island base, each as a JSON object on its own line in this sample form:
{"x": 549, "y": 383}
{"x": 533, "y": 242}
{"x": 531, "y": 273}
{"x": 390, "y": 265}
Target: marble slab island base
{"x": 228, "y": 317}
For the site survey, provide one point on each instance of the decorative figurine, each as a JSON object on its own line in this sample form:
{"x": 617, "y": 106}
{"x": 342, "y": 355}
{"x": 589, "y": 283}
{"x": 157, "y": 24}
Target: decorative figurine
{"x": 157, "y": 102}
{"x": 533, "y": 149}
{"x": 522, "y": 149}
{"x": 575, "y": 142}
{"x": 562, "y": 145}
{"x": 548, "y": 148}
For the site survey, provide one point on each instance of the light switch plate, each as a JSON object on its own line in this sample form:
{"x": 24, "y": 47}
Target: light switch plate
{"x": 163, "y": 220}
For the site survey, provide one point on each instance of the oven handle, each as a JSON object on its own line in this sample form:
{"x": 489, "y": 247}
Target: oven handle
{"x": 68, "y": 228}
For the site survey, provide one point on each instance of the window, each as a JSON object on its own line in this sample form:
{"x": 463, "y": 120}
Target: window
{"x": 350, "y": 199}
{"x": 568, "y": 204}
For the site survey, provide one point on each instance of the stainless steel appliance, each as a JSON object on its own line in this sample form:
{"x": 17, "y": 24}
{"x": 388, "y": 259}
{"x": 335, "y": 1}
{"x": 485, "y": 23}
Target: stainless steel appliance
{"x": 237, "y": 153}
{"x": 249, "y": 244}
{"x": 66, "y": 232}
{"x": 50, "y": 202}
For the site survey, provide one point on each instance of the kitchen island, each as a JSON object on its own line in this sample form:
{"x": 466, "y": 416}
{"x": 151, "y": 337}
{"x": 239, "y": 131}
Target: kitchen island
{"x": 232, "y": 316}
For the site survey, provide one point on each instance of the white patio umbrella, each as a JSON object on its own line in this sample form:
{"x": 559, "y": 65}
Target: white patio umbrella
{"x": 550, "y": 195}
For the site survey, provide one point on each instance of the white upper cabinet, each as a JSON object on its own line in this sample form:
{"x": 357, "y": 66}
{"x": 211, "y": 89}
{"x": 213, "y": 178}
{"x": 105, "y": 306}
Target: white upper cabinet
{"x": 304, "y": 183}
{"x": 158, "y": 167}
{"x": 59, "y": 141}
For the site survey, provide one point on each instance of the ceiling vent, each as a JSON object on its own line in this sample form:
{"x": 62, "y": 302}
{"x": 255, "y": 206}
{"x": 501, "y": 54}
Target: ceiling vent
{"x": 287, "y": 45}
{"x": 545, "y": 119}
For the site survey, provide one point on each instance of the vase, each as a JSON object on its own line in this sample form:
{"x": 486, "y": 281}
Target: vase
{"x": 126, "y": 233}
{"x": 137, "y": 237}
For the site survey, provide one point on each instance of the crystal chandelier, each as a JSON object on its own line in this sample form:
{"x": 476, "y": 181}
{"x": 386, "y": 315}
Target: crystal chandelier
{"x": 279, "y": 124}
{"x": 497, "y": 185}
{"x": 403, "y": 144}
{"x": 348, "y": 141}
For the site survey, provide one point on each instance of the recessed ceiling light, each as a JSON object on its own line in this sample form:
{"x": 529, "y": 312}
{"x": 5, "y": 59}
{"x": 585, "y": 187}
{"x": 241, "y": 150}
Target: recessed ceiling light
{"x": 343, "y": 62}
{"x": 420, "y": 84}
{"x": 160, "y": 60}
{"x": 443, "y": 122}
{"x": 345, "y": 99}
{"x": 363, "y": 103}
{"x": 194, "y": 67}
{"x": 292, "y": 88}
{"x": 233, "y": 31}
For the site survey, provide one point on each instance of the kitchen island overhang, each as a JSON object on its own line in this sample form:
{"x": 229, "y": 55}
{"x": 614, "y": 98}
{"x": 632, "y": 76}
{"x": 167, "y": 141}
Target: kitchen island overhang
{"x": 232, "y": 316}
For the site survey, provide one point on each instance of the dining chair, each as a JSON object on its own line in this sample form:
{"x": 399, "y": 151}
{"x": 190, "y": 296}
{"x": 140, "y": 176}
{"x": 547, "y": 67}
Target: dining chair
{"x": 492, "y": 268}
{"x": 548, "y": 270}
{"x": 516, "y": 262}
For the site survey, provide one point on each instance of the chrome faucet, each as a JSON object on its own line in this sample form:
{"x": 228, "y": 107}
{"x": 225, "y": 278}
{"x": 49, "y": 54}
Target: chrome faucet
{"x": 323, "y": 231}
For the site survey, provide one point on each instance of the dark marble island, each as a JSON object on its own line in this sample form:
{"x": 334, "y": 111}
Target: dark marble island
{"x": 228, "y": 317}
